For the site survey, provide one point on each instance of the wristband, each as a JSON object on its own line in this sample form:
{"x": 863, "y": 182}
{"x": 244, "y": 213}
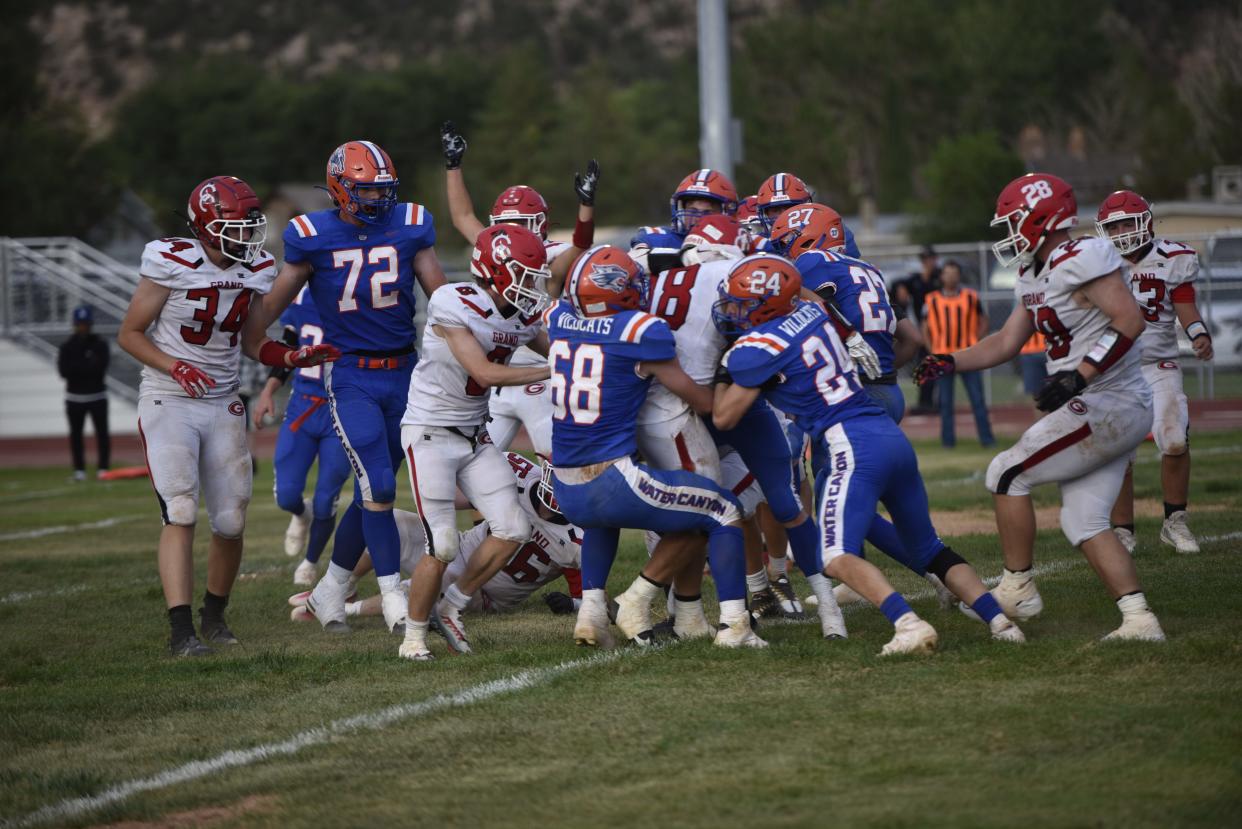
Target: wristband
{"x": 1197, "y": 329}
{"x": 1108, "y": 349}
{"x": 584, "y": 233}
{"x": 272, "y": 353}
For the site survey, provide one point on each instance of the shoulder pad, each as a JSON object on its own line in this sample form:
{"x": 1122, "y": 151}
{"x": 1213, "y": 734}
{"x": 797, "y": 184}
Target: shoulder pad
{"x": 413, "y": 214}
{"x": 639, "y": 325}
{"x": 165, "y": 259}
{"x": 303, "y": 226}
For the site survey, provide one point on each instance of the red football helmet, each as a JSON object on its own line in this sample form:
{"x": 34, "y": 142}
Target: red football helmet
{"x": 810, "y": 226}
{"x": 748, "y": 216}
{"x": 362, "y": 165}
{"x": 513, "y": 262}
{"x": 225, "y": 214}
{"x": 714, "y": 238}
{"x": 759, "y": 288}
{"x": 521, "y": 205}
{"x": 1028, "y": 209}
{"x": 1123, "y": 206}
{"x": 604, "y": 281}
{"x": 701, "y": 184}
{"x": 779, "y": 192}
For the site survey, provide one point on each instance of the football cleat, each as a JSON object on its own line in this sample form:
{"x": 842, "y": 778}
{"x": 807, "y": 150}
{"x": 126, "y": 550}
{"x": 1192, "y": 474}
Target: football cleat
{"x": 1127, "y": 538}
{"x": 1004, "y": 630}
{"x": 189, "y": 646}
{"x": 327, "y": 602}
{"x": 831, "y": 621}
{"x": 1142, "y": 627}
{"x": 446, "y": 621}
{"x": 394, "y": 605}
{"x": 214, "y": 630}
{"x": 301, "y": 613}
{"x": 1017, "y": 596}
{"x": 306, "y": 574}
{"x": 298, "y": 530}
{"x": 911, "y": 635}
{"x": 1177, "y": 534}
{"x": 591, "y": 627}
{"x": 633, "y": 616}
{"x": 790, "y": 607}
{"x": 299, "y": 599}
{"x": 738, "y": 635}
{"x": 764, "y": 604}
{"x": 846, "y": 594}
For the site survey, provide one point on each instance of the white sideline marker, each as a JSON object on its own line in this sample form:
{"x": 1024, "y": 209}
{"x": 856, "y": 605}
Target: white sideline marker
{"x": 68, "y": 528}
{"x": 374, "y": 721}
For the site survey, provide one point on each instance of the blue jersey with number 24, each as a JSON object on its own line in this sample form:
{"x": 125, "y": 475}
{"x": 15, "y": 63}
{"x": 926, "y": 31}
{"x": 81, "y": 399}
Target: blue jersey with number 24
{"x": 596, "y": 392}
{"x": 818, "y": 386}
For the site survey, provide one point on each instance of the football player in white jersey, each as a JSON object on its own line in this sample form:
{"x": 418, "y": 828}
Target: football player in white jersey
{"x": 1162, "y": 275}
{"x": 187, "y": 324}
{"x": 472, "y": 331}
{"x": 553, "y": 551}
{"x": 1098, "y": 404}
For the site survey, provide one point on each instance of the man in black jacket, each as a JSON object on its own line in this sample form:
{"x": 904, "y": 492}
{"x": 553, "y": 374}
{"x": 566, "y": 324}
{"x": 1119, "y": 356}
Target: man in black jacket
{"x": 83, "y": 362}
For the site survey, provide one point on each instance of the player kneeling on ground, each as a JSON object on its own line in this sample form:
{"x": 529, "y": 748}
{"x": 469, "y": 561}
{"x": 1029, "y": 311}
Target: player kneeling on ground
{"x": 1099, "y": 406}
{"x": 194, "y": 296}
{"x": 792, "y": 355}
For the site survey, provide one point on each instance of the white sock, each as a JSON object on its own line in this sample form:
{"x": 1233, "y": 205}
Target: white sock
{"x": 757, "y": 581}
{"x": 1016, "y": 579}
{"x": 670, "y": 603}
{"x": 338, "y": 573}
{"x": 732, "y": 610}
{"x": 389, "y": 583}
{"x": 353, "y": 608}
{"x": 778, "y": 565}
{"x": 595, "y": 596}
{"x": 415, "y": 631}
{"x": 686, "y": 610}
{"x": 1134, "y": 604}
{"x": 644, "y": 590}
{"x": 906, "y": 619}
{"x": 822, "y": 588}
{"x": 455, "y": 597}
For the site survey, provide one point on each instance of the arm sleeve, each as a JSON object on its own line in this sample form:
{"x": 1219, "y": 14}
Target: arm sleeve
{"x": 289, "y": 336}
{"x": 749, "y": 365}
{"x": 296, "y": 250}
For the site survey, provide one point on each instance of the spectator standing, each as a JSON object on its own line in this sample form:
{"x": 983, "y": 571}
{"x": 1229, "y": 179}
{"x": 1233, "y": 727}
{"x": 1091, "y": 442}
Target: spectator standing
{"x": 1033, "y": 365}
{"x": 83, "y": 362}
{"x": 953, "y": 319}
{"x": 915, "y": 289}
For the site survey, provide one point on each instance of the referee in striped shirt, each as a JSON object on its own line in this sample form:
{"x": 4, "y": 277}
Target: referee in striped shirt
{"x": 953, "y": 319}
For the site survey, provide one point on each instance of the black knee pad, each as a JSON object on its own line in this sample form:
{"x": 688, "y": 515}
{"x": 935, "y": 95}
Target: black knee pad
{"x": 944, "y": 561}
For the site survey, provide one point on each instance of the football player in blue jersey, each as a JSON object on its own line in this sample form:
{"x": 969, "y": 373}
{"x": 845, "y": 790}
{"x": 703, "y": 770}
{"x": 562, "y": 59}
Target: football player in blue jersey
{"x": 778, "y": 193}
{"x": 791, "y": 354}
{"x": 360, "y": 260}
{"x": 306, "y": 435}
{"x": 702, "y": 192}
{"x": 604, "y": 353}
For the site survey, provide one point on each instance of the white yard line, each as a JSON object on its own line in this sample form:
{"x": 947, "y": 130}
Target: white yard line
{"x": 1209, "y": 539}
{"x": 68, "y": 528}
{"x": 28, "y": 595}
{"x": 36, "y": 494}
{"x": 373, "y": 721}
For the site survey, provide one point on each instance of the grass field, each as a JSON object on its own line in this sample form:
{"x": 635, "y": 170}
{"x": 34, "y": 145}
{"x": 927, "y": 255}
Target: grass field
{"x": 299, "y": 728}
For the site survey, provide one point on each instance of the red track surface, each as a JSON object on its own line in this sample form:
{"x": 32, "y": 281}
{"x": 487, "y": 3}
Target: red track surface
{"x": 1205, "y": 416}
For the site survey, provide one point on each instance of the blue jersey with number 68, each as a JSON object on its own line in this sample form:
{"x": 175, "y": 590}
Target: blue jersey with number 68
{"x": 363, "y": 276}
{"x": 596, "y": 391}
{"x": 818, "y": 386}
{"x": 860, "y": 294}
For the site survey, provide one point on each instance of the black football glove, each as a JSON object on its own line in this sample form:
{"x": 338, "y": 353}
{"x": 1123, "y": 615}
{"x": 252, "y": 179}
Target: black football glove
{"x": 453, "y": 144}
{"x": 1059, "y": 389}
{"x": 585, "y": 184}
{"x": 933, "y": 367}
{"x": 559, "y": 603}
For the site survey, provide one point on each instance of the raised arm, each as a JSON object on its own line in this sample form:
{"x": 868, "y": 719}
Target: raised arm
{"x": 461, "y": 207}
{"x": 585, "y": 185}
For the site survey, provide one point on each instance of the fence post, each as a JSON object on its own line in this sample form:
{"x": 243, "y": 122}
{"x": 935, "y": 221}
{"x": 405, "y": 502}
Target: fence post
{"x": 6, "y": 321}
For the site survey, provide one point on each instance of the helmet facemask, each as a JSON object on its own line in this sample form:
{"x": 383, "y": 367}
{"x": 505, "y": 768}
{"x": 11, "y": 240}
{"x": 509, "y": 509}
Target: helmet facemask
{"x": 373, "y": 211}
{"x": 1014, "y": 248}
{"x": 525, "y": 290}
{"x": 240, "y": 239}
{"x": 543, "y": 490}
{"x": 536, "y": 223}
{"x": 1127, "y": 241}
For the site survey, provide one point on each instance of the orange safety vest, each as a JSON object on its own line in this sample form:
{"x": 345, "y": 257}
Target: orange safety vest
{"x": 1035, "y": 345}
{"x": 952, "y": 321}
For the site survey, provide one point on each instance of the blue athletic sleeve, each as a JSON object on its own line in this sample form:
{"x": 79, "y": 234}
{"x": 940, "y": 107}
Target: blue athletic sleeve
{"x": 296, "y": 248}
{"x": 656, "y": 342}
{"x": 755, "y": 359}
{"x": 816, "y": 270}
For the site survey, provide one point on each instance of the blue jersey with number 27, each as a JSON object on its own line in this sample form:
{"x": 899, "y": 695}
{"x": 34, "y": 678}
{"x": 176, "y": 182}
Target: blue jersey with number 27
{"x": 596, "y": 392}
{"x": 860, "y": 294}
{"x": 819, "y": 387}
{"x": 363, "y": 277}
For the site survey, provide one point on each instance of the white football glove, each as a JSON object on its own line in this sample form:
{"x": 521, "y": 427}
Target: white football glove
{"x": 864, "y": 355}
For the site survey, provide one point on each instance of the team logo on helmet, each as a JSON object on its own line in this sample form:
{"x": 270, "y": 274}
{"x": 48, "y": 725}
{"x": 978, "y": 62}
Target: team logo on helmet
{"x": 336, "y": 164}
{"x": 610, "y": 277}
{"x": 501, "y": 246}
{"x": 207, "y": 195}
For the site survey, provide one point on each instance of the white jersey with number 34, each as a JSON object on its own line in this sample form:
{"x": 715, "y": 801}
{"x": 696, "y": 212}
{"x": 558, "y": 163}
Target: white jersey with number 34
{"x": 683, "y": 297}
{"x": 202, "y": 319}
{"x": 1072, "y": 326}
{"x": 441, "y": 392}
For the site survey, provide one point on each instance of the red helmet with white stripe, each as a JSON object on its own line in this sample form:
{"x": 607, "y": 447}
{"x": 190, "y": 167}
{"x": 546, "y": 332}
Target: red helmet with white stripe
{"x": 524, "y": 206}
{"x": 605, "y": 281}
{"x": 225, "y": 214}
{"x": 513, "y": 262}
{"x": 714, "y": 238}
{"x": 759, "y": 288}
{"x": 363, "y": 181}
{"x": 748, "y": 216}
{"x": 701, "y": 184}
{"x": 778, "y": 192}
{"x": 1124, "y": 218}
{"x": 1029, "y": 209}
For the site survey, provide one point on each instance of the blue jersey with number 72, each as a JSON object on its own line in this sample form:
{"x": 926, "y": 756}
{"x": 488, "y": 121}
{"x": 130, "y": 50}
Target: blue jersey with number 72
{"x": 860, "y": 294}
{"x": 818, "y": 385}
{"x": 596, "y": 391}
{"x": 363, "y": 277}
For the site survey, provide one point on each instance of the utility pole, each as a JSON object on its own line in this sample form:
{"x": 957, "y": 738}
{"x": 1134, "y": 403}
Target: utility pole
{"x": 715, "y": 113}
